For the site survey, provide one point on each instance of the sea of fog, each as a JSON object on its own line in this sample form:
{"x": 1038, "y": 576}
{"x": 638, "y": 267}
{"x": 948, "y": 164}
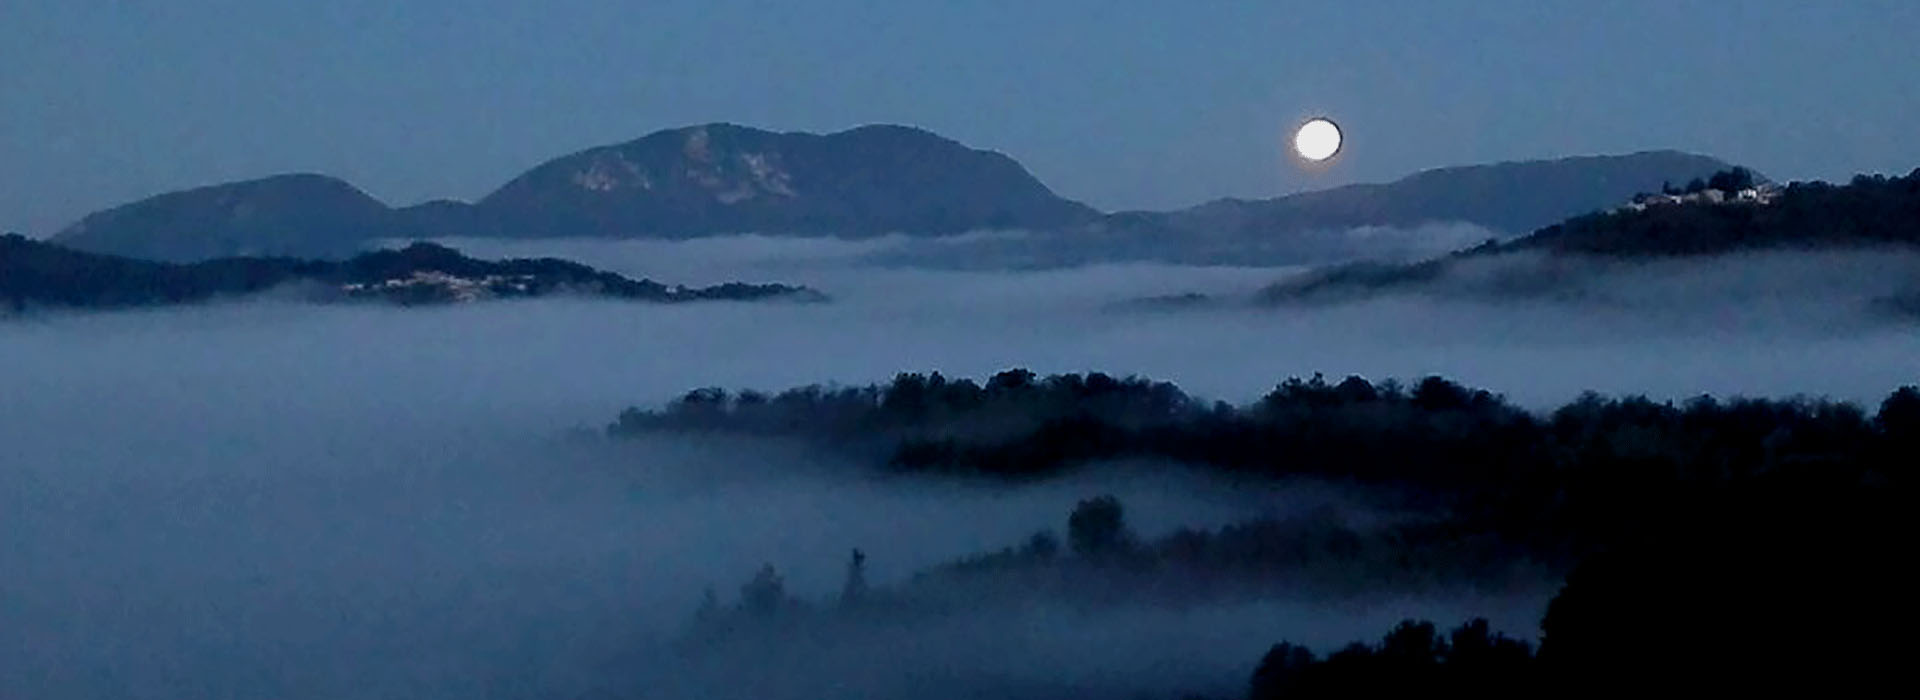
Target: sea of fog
{"x": 252, "y": 500}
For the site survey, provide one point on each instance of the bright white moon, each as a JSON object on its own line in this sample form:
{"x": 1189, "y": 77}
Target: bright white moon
{"x": 1318, "y": 139}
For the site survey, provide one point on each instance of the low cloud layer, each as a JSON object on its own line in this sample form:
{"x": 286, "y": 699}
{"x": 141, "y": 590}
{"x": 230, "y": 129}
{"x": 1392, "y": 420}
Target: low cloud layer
{"x": 275, "y": 500}
{"x": 1539, "y": 331}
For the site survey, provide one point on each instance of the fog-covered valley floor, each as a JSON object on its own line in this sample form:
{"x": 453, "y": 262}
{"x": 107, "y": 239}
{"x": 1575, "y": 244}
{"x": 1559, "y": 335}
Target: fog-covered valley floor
{"x": 277, "y": 500}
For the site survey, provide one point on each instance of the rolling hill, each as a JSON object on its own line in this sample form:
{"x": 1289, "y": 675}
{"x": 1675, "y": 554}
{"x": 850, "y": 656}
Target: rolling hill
{"x": 36, "y": 274}
{"x": 1871, "y": 212}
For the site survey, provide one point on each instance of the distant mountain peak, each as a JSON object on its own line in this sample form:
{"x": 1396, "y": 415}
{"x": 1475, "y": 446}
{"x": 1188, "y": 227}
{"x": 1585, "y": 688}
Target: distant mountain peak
{"x": 299, "y": 184}
{"x": 727, "y": 178}
{"x": 291, "y": 214}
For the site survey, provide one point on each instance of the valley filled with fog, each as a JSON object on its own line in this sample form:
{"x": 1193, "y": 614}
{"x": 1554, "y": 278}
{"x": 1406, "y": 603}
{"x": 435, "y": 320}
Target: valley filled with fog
{"x": 268, "y": 499}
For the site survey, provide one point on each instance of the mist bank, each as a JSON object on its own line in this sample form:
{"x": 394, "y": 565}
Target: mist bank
{"x": 1748, "y": 336}
{"x": 269, "y": 498}
{"x": 297, "y": 501}
{"x": 1043, "y": 250}
{"x": 1847, "y": 287}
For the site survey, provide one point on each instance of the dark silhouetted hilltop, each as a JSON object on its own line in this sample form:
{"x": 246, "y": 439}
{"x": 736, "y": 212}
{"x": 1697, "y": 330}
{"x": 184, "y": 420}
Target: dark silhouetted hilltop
{"x": 37, "y": 274}
{"x": 1869, "y": 212}
{"x": 286, "y": 215}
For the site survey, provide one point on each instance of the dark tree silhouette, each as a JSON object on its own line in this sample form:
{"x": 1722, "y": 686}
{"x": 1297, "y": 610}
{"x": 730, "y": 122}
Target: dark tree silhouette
{"x": 1042, "y": 545}
{"x": 765, "y": 594}
{"x": 1098, "y": 529}
{"x": 855, "y": 587}
{"x": 1556, "y": 483}
{"x": 1731, "y": 181}
{"x": 1412, "y": 660}
{"x": 1280, "y": 671}
{"x": 709, "y": 609}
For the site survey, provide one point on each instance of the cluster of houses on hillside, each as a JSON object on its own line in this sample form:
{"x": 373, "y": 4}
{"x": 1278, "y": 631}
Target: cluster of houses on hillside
{"x": 1763, "y": 193}
{"x": 435, "y": 286}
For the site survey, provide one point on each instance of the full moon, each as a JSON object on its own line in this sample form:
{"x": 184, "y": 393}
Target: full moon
{"x": 1317, "y": 140}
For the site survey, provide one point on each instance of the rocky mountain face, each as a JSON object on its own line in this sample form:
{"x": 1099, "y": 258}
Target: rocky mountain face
{"x": 721, "y": 178}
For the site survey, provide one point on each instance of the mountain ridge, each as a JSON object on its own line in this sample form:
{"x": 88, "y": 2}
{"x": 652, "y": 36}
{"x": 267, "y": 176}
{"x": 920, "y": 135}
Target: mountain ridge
{"x": 1514, "y": 196}
{"x": 722, "y": 178}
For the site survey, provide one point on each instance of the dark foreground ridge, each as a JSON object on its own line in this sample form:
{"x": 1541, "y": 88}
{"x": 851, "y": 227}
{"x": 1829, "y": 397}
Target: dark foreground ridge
{"x": 1715, "y": 544}
{"x": 1562, "y": 481}
{"x": 1727, "y": 213}
{"x": 35, "y": 274}
{"x": 1780, "y": 587}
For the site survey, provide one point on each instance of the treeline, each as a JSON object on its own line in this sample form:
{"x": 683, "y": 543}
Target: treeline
{"x": 1593, "y": 466}
{"x": 36, "y": 274}
{"x": 1733, "y": 546}
{"x": 1103, "y": 562}
{"x": 1319, "y": 553}
{"x": 1729, "y": 181}
{"x": 1780, "y": 584}
{"x": 915, "y": 406}
{"x": 1720, "y": 545}
{"x": 1412, "y": 659}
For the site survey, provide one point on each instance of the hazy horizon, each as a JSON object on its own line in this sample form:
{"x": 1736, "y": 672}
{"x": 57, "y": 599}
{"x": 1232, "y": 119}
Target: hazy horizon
{"x": 268, "y": 498}
{"x": 1122, "y": 106}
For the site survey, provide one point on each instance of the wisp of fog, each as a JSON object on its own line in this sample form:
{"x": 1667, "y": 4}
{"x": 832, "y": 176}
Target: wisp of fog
{"x": 276, "y": 500}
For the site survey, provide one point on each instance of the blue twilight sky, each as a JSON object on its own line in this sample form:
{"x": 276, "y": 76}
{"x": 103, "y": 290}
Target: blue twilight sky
{"x": 1119, "y": 104}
